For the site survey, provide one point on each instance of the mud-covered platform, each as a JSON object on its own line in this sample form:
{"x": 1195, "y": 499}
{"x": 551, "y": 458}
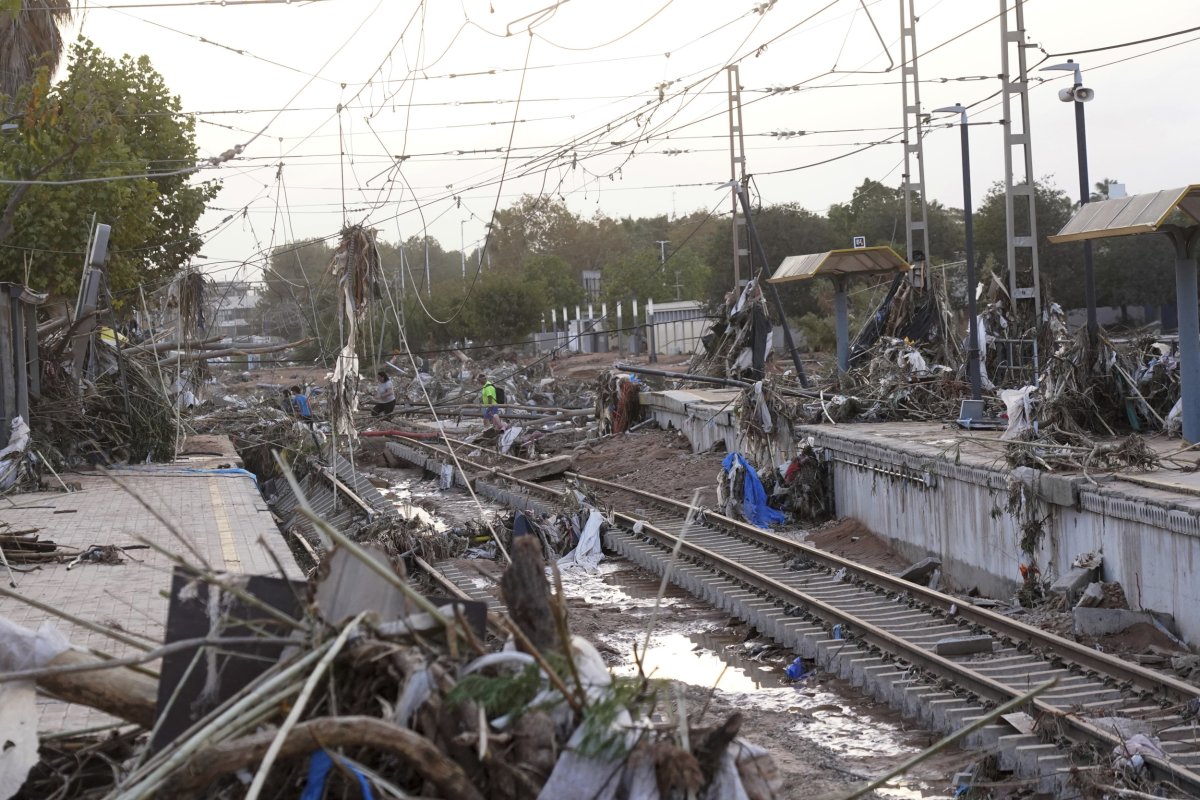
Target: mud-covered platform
{"x": 934, "y": 489}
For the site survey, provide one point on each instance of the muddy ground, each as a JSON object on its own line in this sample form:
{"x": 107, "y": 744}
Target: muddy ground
{"x": 825, "y": 736}
{"x": 653, "y": 460}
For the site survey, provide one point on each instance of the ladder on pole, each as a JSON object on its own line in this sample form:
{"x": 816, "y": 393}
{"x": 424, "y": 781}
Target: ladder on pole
{"x": 915, "y": 209}
{"x": 737, "y": 174}
{"x": 1020, "y": 212}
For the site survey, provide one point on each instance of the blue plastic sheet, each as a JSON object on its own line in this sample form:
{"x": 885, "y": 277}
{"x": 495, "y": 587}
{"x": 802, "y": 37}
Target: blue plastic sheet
{"x": 754, "y": 497}
{"x": 319, "y": 766}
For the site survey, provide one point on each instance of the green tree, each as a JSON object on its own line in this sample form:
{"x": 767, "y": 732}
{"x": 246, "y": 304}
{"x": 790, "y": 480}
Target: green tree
{"x": 785, "y": 230}
{"x": 503, "y": 308}
{"x": 29, "y": 40}
{"x": 553, "y": 277}
{"x": 876, "y": 211}
{"x": 299, "y": 297}
{"x": 643, "y": 276}
{"x": 1060, "y": 265}
{"x": 532, "y": 226}
{"x": 106, "y": 119}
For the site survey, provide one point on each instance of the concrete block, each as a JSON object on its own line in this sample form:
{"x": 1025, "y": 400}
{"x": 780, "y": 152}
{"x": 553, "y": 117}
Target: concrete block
{"x": 1104, "y": 621}
{"x": 963, "y": 645}
{"x": 987, "y": 737}
{"x": 940, "y": 712}
{"x": 919, "y": 573}
{"x": 1072, "y": 582}
{"x": 1028, "y": 756}
{"x": 858, "y": 669}
{"x": 1059, "y": 490}
{"x": 1008, "y": 747}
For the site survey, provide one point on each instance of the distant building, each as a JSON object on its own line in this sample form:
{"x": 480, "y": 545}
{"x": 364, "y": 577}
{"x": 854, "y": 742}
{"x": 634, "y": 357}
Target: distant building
{"x": 234, "y": 304}
{"x": 678, "y": 326}
{"x": 591, "y": 283}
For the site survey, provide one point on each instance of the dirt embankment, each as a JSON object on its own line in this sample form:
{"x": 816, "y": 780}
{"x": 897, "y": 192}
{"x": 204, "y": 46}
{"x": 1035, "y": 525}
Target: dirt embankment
{"x": 656, "y": 461}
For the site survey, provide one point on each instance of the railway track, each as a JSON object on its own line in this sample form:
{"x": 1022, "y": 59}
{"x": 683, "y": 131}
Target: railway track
{"x": 883, "y": 634}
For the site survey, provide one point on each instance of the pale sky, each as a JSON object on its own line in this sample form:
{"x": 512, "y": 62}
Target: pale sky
{"x": 438, "y": 82}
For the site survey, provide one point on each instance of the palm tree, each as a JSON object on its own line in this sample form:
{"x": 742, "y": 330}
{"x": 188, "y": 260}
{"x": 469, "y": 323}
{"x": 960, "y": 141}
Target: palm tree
{"x": 1102, "y": 188}
{"x": 29, "y": 40}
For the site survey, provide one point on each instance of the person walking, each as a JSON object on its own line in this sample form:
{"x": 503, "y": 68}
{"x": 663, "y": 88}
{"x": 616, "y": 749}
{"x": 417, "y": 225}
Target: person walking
{"x": 491, "y": 403}
{"x": 385, "y": 396}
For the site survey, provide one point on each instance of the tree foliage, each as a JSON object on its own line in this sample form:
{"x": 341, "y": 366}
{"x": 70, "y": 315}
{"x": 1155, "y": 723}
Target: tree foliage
{"x": 539, "y": 250}
{"x": 107, "y": 118}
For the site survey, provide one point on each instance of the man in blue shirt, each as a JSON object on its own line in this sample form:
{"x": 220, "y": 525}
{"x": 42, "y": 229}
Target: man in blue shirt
{"x": 299, "y": 403}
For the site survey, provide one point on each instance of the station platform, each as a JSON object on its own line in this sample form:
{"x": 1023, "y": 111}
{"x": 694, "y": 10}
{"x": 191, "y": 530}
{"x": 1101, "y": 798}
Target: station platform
{"x": 187, "y": 508}
{"x": 934, "y": 489}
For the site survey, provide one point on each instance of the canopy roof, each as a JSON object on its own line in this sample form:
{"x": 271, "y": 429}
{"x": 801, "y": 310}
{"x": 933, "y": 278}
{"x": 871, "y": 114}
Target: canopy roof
{"x": 1124, "y": 216}
{"x": 841, "y": 263}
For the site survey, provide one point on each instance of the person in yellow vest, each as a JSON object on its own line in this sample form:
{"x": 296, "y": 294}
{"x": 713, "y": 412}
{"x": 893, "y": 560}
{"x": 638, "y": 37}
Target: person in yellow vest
{"x": 491, "y": 403}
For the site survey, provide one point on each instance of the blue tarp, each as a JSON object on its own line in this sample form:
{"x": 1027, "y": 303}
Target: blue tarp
{"x": 319, "y": 765}
{"x": 754, "y": 497}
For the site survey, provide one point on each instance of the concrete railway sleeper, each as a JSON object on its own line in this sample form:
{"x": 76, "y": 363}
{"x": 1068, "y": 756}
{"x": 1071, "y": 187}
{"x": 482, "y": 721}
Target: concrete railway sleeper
{"x": 797, "y": 594}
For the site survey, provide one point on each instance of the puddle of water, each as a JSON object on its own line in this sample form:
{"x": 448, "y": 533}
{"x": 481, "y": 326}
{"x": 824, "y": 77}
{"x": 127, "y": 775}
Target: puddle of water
{"x": 410, "y": 490}
{"x": 689, "y": 645}
{"x": 614, "y": 583}
{"x": 703, "y": 660}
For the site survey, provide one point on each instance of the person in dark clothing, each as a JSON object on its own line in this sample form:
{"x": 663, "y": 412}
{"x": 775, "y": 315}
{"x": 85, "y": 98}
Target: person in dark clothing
{"x": 385, "y": 396}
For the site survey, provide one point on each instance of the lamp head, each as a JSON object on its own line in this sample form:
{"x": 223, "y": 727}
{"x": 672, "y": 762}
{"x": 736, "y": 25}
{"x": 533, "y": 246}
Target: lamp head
{"x": 1069, "y": 66}
{"x": 957, "y": 108}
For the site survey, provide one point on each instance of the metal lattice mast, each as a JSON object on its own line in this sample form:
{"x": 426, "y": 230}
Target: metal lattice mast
{"x": 1020, "y": 212}
{"x": 737, "y": 174}
{"x": 915, "y": 210}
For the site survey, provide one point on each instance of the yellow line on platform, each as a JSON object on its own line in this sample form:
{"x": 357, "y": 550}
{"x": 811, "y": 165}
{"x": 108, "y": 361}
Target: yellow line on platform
{"x": 229, "y": 551}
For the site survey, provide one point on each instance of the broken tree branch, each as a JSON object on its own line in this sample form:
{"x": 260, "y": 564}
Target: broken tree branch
{"x": 329, "y": 733}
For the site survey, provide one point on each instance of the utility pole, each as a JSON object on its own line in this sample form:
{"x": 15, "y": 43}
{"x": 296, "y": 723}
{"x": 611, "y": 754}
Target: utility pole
{"x": 915, "y": 208}
{"x": 462, "y": 249}
{"x": 737, "y": 174}
{"x": 1020, "y": 212}
{"x": 662, "y": 255}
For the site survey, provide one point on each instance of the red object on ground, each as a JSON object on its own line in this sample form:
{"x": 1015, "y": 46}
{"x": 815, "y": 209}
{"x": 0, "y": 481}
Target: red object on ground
{"x": 405, "y": 434}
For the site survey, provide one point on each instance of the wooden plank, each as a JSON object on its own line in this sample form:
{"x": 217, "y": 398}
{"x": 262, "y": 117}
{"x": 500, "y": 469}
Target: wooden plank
{"x": 537, "y": 470}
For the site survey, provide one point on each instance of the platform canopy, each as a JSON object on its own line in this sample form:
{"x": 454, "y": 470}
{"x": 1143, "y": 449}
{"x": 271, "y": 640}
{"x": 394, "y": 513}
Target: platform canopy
{"x": 1125, "y": 216}
{"x": 859, "y": 262}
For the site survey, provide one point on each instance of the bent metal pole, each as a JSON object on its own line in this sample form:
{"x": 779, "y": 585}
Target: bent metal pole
{"x": 766, "y": 272}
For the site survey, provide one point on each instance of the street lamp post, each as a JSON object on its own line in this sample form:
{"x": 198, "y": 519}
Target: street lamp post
{"x": 1078, "y": 95}
{"x": 973, "y": 371}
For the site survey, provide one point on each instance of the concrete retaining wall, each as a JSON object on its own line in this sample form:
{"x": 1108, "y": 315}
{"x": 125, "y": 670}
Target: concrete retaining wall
{"x": 926, "y": 506}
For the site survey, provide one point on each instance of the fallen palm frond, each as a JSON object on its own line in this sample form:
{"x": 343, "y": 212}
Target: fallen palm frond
{"x": 414, "y": 703}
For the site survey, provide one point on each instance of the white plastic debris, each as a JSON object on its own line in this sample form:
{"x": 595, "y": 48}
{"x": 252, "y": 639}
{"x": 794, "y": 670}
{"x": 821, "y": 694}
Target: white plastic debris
{"x": 1131, "y": 753}
{"x": 1174, "y": 421}
{"x": 587, "y": 553}
{"x": 11, "y": 456}
{"x": 508, "y": 438}
{"x": 1019, "y": 406}
{"x": 22, "y": 649}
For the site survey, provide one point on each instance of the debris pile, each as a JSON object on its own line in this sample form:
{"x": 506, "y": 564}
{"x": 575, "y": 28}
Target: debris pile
{"x": 1085, "y": 393}
{"x": 374, "y": 687}
{"x": 25, "y": 546}
{"x": 121, "y": 413}
{"x": 357, "y": 270}
{"x": 739, "y": 343}
{"x": 618, "y": 406}
{"x": 802, "y": 488}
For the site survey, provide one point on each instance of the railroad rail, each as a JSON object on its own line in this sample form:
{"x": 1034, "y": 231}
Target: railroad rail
{"x": 887, "y": 630}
